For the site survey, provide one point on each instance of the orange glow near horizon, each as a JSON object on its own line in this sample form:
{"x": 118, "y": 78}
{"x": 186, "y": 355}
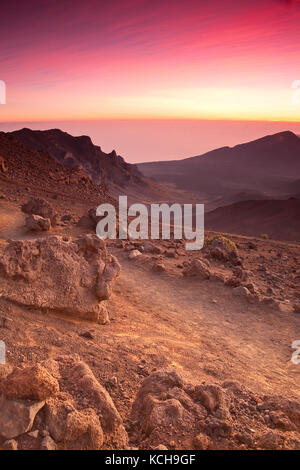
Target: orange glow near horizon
{"x": 142, "y": 60}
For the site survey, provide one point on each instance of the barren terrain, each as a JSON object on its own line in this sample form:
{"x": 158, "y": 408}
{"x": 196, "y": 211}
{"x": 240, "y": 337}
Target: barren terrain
{"x": 161, "y": 320}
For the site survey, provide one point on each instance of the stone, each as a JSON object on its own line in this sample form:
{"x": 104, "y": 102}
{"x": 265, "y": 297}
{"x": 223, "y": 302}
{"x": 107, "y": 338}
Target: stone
{"x": 202, "y": 442}
{"x": 241, "y": 291}
{"x": 86, "y": 223}
{"x": 111, "y": 421}
{"x": 37, "y": 223}
{"x": 197, "y": 268}
{"x": 269, "y": 440}
{"x": 29, "y": 383}
{"x": 72, "y": 428}
{"x": 213, "y": 398}
{"x": 87, "y": 335}
{"x": 171, "y": 254}
{"x": 60, "y": 274}
{"x": 42, "y": 208}
{"x": 160, "y": 447}
{"x": 150, "y": 247}
{"x": 158, "y": 267}
{"x": 17, "y": 416}
{"x": 48, "y": 444}
{"x": 34, "y": 434}
{"x": 134, "y": 254}
{"x": 10, "y": 445}
{"x": 166, "y": 413}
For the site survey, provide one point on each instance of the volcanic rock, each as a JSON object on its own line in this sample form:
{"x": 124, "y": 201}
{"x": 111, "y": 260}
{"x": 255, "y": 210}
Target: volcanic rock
{"x": 17, "y": 416}
{"x": 37, "y": 223}
{"x": 29, "y": 383}
{"x": 42, "y": 208}
{"x": 197, "y": 268}
{"x": 64, "y": 275}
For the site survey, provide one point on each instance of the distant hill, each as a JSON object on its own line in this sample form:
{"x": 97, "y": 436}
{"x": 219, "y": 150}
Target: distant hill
{"x": 280, "y": 219}
{"x": 269, "y": 167}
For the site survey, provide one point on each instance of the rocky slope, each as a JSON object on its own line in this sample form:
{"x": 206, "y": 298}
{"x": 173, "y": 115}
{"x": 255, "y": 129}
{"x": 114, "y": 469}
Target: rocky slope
{"x": 81, "y": 153}
{"x": 277, "y": 219}
{"x": 79, "y": 156}
{"x": 27, "y": 171}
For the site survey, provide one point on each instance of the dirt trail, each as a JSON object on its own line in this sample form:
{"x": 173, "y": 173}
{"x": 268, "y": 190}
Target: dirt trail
{"x": 204, "y": 330}
{"x": 11, "y": 221}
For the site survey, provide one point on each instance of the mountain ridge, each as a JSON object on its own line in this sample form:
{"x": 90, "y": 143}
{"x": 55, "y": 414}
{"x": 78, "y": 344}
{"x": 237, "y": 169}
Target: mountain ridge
{"x": 79, "y": 152}
{"x": 267, "y": 165}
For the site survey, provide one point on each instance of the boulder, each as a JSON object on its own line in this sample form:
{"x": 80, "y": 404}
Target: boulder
{"x": 71, "y": 428}
{"x": 48, "y": 444}
{"x": 10, "y": 445}
{"x": 150, "y": 247}
{"x": 241, "y": 291}
{"x": 42, "y": 208}
{"x": 213, "y": 398}
{"x": 269, "y": 440}
{"x": 17, "y": 416}
{"x": 83, "y": 393}
{"x": 29, "y": 383}
{"x": 163, "y": 407}
{"x": 60, "y": 274}
{"x": 197, "y": 268}
{"x": 89, "y": 220}
{"x": 159, "y": 267}
{"x": 111, "y": 421}
{"x": 224, "y": 251}
{"x": 36, "y": 223}
{"x": 134, "y": 254}
{"x": 202, "y": 442}
{"x": 86, "y": 223}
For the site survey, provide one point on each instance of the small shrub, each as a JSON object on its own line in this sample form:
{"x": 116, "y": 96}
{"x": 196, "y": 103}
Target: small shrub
{"x": 208, "y": 241}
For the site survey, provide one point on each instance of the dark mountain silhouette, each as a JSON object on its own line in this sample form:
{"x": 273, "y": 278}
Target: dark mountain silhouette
{"x": 267, "y": 166}
{"x": 280, "y": 219}
{"x": 81, "y": 153}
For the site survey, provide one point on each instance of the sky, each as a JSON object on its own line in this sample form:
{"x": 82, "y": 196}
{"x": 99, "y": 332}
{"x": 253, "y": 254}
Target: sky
{"x": 110, "y": 63}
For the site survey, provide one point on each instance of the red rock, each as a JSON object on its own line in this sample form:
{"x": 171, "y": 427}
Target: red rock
{"x": 29, "y": 383}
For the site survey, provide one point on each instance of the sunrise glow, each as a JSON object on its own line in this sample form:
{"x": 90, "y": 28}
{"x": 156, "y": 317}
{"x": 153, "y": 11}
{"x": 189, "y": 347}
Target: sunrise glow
{"x": 139, "y": 59}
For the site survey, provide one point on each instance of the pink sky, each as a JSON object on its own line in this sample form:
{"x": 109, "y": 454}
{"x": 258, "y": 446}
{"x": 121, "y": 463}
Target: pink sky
{"x": 160, "y": 59}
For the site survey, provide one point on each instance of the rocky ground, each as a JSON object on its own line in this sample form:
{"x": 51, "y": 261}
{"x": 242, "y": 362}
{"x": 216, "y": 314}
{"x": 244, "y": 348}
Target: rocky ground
{"x": 195, "y": 352}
